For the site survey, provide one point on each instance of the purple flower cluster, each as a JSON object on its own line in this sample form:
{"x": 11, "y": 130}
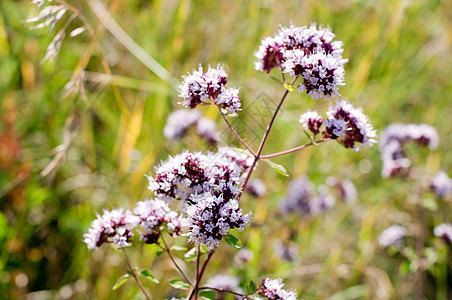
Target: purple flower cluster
{"x": 114, "y": 226}
{"x": 441, "y": 184}
{"x": 346, "y": 190}
{"x": 200, "y": 86}
{"x": 181, "y": 120}
{"x": 444, "y": 231}
{"x": 117, "y": 226}
{"x": 153, "y": 215}
{"x": 195, "y": 173}
{"x": 273, "y": 290}
{"x": 392, "y": 235}
{"x": 301, "y": 198}
{"x": 256, "y": 187}
{"x": 307, "y": 52}
{"x": 349, "y": 126}
{"x": 346, "y": 124}
{"x": 393, "y": 139}
{"x": 311, "y": 120}
{"x": 210, "y": 218}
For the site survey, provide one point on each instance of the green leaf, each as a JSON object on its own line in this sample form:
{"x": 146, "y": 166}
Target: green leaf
{"x": 160, "y": 252}
{"x": 191, "y": 254}
{"x": 148, "y": 275}
{"x": 121, "y": 281}
{"x": 204, "y": 249}
{"x": 178, "y": 248}
{"x": 280, "y": 169}
{"x": 251, "y": 289}
{"x": 289, "y": 87}
{"x": 207, "y": 295}
{"x": 179, "y": 284}
{"x": 233, "y": 241}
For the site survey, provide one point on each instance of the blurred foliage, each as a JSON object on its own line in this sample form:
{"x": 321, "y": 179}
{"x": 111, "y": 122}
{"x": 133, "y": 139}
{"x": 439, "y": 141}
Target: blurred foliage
{"x": 399, "y": 71}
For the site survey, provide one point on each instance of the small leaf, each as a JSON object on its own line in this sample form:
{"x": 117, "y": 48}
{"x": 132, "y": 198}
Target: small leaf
{"x": 191, "y": 254}
{"x": 204, "y": 249}
{"x": 179, "y": 284}
{"x": 280, "y": 169}
{"x": 207, "y": 294}
{"x": 148, "y": 275}
{"x": 77, "y": 31}
{"x": 289, "y": 87}
{"x": 121, "y": 281}
{"x": 233, "y": 241}
{"x": 160, "y": 252}
{"x": 251, "y": 289}
{"x": 178, "y": 248}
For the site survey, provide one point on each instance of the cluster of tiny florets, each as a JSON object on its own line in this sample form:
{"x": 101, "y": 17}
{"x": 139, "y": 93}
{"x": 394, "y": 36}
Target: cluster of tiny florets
{"x": 180, "y": 121}
{"x": 194, "y": 173}
{"x": 349, "y": 126}
{"x": 393, "y": 139}
{"x": 392, "y": 235}
{"x": 200, "y": 87}
{"x": 441, "y": 184}
{"x": 153, "y": 214}
{"x": 302, "y": 198}
{"x": 311, "y": 120}
{"x": 273, "y": 290}
{"x": 444, "y": 231}
{"x": 307, "y": 52}
{"x": 115, "y": 226}
{"x": 256, "y": 187}
{"x": 210, "y": 218}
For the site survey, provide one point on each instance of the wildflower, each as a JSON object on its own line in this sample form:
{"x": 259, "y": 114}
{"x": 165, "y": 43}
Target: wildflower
{"x": 311, "y": 120}
{"x": 345, "y": 189}
{"x": 444, "y": 231}
{"x": 321, "y": 73}
{"x": 349, "y": 126}
{"x": 441, "y": 184}
{"x": 200, "y": 86}
{"x": 300, "y": 193}
{"x": 323, "y": 201}
{"x": 256, "y": 187}
{"x": 153, "y": 214}
{"x": 189, "y": 173}
{"x": 393, "y": 139}
{"x": 272, "y": 289}
{"x": 179, "y": 121}
{"x": 269, "y": 54}
{"x": 114, "y": 226}
{"x": 225, "y": 282}
{"x": 210, "y": 217}
{"x": 392, "y": 235}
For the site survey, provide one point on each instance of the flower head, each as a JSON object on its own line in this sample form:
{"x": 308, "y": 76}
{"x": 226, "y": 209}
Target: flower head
{"x": 441, "y": 184}
{"x": 114, "y": 226}
{"x": 154, "y": 214}
{"x": 179, "y": 121}
{"x": 200, "y": 86}
{"x": 225, "y": 282}
{"x": 392, "y": 235}
{"x": 311, "y": 120}
{"x": 444, "y": 231}
{"x": 273, "y": 290}
{"x": 270, "y": 54}
{"x": 394, "y": 137}
{"x": 349, "y": 126}
{"x": 210, "y": 217}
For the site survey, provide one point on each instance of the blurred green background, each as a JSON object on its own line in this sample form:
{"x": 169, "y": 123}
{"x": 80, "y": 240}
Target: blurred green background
{"x": 399, "y": 71}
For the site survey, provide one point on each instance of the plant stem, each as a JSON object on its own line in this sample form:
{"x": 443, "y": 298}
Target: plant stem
{"x": 264, "y": 139}
{"x": 420, "y": 250}
{"x": 236, "y": 134}
{"x": 293, "y": 149}
{"x": 195, "y": 289}
{"x": 222, "y": 291}
{"x": 135, "y": 276}
{"x": 175, "y": 263}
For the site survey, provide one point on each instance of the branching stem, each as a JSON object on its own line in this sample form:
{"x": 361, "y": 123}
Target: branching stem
{"x": 135, "y": 276}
